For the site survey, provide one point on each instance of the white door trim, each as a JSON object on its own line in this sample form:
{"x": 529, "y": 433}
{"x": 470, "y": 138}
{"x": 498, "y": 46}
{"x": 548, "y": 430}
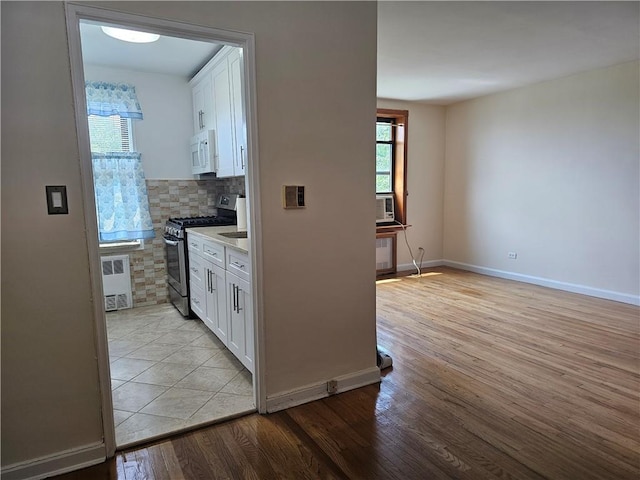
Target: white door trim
{"x": 75, "y": 13}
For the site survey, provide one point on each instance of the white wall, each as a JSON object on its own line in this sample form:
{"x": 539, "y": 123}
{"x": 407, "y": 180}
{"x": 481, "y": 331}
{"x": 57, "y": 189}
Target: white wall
{"x": 551, "y": 172}
{"x": 50, "y": 394}
{"x": 425, "y": 182}
{"x": 319, "y": 288}
{"x": 162, "y": 136}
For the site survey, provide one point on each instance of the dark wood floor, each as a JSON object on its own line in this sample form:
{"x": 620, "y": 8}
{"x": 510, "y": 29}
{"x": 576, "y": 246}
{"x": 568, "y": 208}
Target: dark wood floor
{"x": 492, "y": 379}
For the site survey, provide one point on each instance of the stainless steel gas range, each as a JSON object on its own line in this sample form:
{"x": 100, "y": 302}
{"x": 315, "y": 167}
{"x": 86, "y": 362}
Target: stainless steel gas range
{"x": 176, "y": 247}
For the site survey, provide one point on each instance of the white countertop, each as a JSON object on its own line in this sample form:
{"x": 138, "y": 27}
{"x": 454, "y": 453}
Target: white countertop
{"x": 213, "y": 233}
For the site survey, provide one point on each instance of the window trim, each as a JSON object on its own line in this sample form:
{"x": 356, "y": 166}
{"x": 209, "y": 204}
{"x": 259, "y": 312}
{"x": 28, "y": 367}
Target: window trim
{"x": 400, "y": 120}
{"x": 122, "y": 246}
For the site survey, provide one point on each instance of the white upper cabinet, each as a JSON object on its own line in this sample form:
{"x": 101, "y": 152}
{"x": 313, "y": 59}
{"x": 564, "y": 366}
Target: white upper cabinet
{"x": 203, "y": 105}
{"x": 224, "y": 119}
{"x": 218, "y": 104}
{"x": 237, "y": 104}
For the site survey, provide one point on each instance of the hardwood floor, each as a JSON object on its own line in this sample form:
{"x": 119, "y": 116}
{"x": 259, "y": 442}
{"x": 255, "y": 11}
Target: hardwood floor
{"x": 492, "y": 379}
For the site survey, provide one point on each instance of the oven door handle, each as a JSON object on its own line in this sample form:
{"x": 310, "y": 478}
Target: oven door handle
{"x": 170, "y": 242}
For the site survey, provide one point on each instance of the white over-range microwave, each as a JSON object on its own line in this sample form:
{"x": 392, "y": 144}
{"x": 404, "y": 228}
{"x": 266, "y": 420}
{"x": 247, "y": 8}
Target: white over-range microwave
{"x": 385, "y": 211}
{"x": 203, "y": 150}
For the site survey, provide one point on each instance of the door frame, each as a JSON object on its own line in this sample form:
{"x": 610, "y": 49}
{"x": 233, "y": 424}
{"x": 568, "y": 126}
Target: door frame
{"x": 74, "y": 14}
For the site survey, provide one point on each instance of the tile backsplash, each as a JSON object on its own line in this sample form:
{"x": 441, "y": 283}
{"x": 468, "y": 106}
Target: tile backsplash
{"x": 167, "y": 199}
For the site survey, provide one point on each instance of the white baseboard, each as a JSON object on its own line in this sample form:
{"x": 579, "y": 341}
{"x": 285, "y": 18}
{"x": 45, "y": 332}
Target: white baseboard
{"x": 546, "y": 282}
{"x": 56, "y": 464}
{"x": 316, "y": 391}
{"x": 405, "y": 267}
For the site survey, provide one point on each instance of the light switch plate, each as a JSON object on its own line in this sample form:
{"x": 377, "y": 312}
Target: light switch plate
{"x": 293, "y": 196}
{"x": 57, "y": 200}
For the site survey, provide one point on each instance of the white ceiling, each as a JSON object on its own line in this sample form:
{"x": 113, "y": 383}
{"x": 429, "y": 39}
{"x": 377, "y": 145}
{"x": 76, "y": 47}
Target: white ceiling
{"x": 169, "y": 55}
{"x": 442, "y": 52}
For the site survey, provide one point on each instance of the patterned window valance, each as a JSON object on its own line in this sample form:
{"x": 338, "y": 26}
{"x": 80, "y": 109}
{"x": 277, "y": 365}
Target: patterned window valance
{"x": 105, "y": 99}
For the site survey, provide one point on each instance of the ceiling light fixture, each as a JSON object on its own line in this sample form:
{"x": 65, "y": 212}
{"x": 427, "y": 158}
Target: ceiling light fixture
{"x": 130, "y": 35}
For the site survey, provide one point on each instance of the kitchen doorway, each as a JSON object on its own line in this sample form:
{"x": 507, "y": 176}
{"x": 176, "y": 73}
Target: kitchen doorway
{"x": 160, "y": 365}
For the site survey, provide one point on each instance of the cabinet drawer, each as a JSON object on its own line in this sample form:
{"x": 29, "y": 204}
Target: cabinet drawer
{"x": 198, "y": 301}
{"x": 214, "y": 252}
{"x": 194, "y": 243}
{"x": 238, "y": 263}
{"x": 196, "y": 270}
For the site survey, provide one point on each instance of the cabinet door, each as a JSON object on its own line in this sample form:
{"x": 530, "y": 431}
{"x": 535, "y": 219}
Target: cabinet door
{"x": 244, "y": 299}
{"x": 239, "y": 123}
{"x": 198, "y": 107}
{"x": 202, "y": 94}
{"x": 216, "y": 306}
{"x": 239, "y": 309}
{"x": 223, "y": 120}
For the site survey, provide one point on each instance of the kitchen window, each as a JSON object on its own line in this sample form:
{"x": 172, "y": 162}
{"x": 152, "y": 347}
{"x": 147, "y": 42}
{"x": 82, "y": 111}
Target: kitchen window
{"x": 122, "y": 204}
{"x": 113, "y": 134}
{"x": 110, "y": 134}
{"x": 391, "y": 157}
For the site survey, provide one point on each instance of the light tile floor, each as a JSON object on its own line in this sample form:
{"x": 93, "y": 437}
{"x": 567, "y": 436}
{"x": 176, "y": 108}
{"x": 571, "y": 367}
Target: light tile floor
{"x": 169, "y": 373}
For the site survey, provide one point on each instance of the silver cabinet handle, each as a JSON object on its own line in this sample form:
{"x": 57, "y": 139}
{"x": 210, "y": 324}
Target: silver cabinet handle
{"x": 236, "y": 298}
{"x": 242, "y": 156}
{"x": 211, "y": 277}
{"x": 238, "y": 265}
{"x": 235, "y": 302}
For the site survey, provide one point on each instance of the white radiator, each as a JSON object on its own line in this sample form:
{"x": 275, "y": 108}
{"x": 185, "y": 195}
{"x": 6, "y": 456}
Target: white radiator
{"x": 116, "y": 282}
{"x": 384, "y": 253}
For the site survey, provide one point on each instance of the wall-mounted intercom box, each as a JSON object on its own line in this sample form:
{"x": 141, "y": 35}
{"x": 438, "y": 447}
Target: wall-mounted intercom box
{"x": 293, "y": 196}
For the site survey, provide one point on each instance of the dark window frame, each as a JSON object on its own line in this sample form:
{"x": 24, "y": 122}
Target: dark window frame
{"x": 391, "y": 143}
{"x": 400, "y": 121}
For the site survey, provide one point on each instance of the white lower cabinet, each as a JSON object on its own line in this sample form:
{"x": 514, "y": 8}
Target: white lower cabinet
{"x": 217, "y": 319}
{"x": 196, "y": 283}
{"x": 240, "y": 319}
{"x": 222, "y": 298}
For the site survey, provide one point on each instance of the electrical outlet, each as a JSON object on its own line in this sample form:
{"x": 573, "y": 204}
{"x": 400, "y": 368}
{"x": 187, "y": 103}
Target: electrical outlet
{"x": 513, "y": 255}
{"x": 332, "y": 386}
